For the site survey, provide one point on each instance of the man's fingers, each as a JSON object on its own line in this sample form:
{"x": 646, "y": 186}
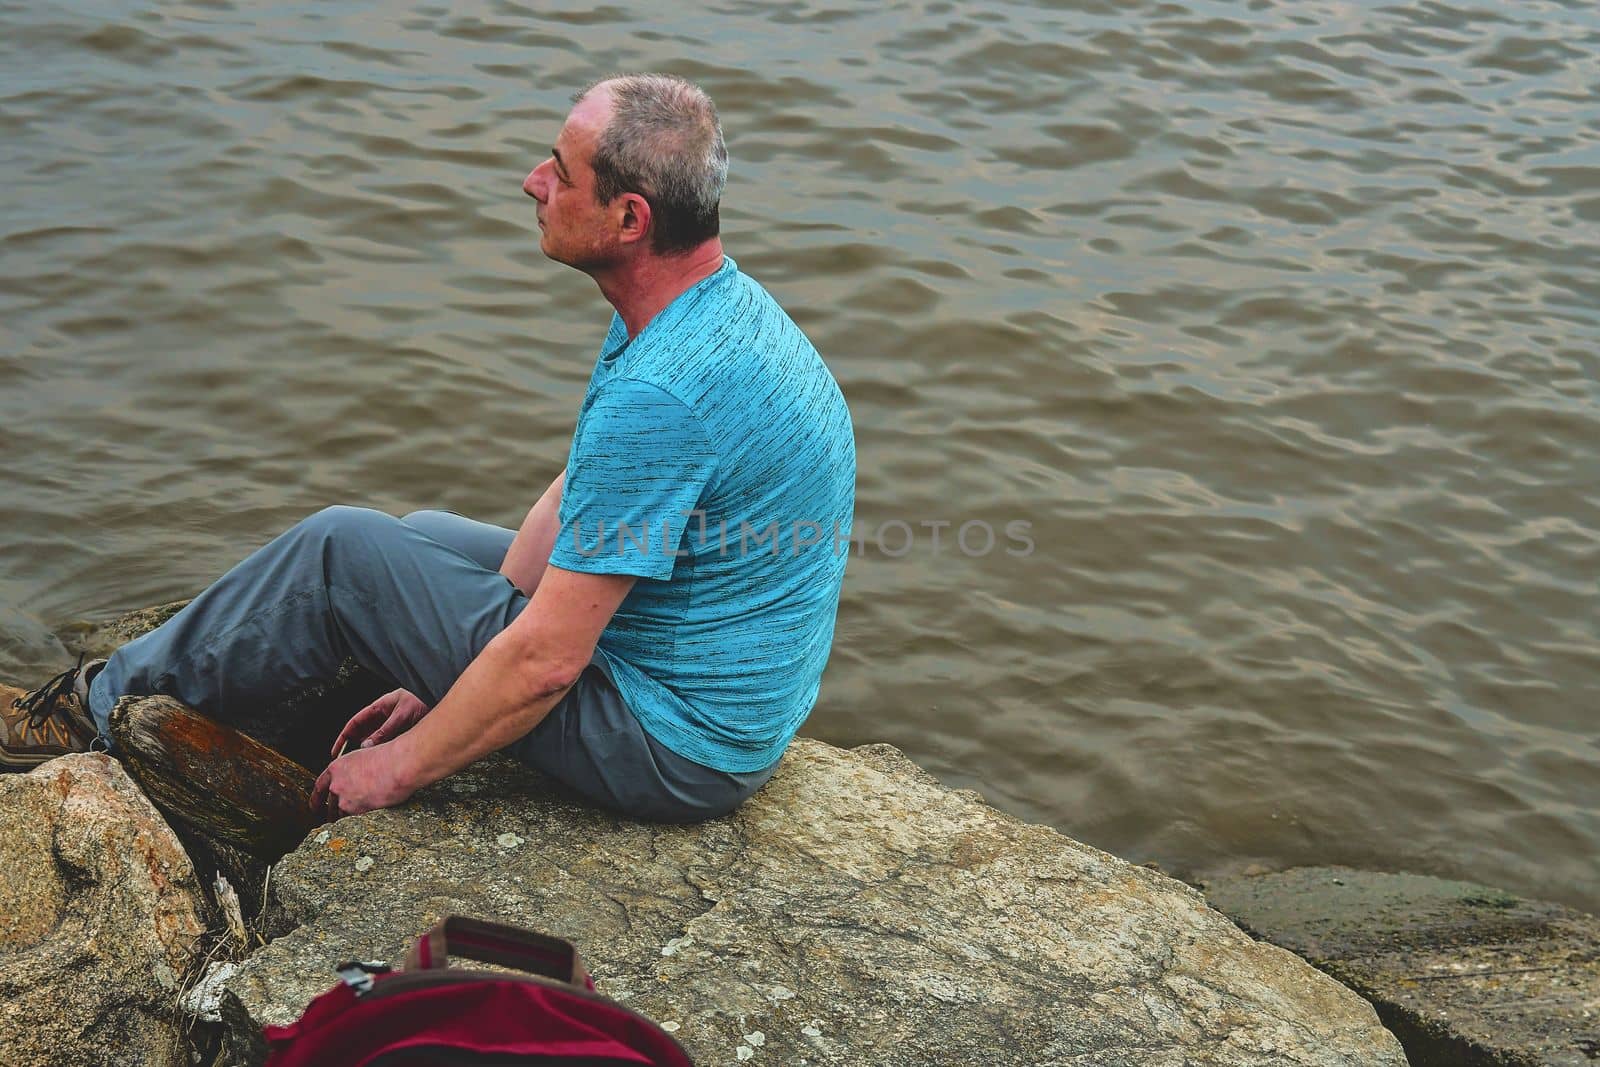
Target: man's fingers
{"x": 358, "y": 724}
{"x": 385, "y": 730}
{"x": 349, "y": 728}
{"x": 323, "y": 800}
{"x": 398, "y": 721}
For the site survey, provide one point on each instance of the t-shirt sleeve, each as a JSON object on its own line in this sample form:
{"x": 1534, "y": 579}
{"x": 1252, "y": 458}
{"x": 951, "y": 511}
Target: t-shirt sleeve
{"x": 639, "y": 464}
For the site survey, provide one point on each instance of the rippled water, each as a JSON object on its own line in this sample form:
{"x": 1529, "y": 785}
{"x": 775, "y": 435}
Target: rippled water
{"x": 1275, "y": 320}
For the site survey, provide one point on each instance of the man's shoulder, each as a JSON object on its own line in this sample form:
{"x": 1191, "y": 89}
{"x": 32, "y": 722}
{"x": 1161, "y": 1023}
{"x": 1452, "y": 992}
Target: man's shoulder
{"x": 726, "y": 331}
{"x": 757, "y": 303}
{"x": 728, "y": 307}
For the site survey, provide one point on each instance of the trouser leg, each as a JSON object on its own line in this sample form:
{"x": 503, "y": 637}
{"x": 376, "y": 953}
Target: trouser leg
{"x": 591, "y": 743}
{"x": 484, "y": 544}
{"x": 344, "y": 583}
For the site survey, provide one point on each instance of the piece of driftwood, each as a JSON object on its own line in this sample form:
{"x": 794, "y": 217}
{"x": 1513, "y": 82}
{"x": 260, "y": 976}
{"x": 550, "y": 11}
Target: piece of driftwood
{"x": 216, "y": 779}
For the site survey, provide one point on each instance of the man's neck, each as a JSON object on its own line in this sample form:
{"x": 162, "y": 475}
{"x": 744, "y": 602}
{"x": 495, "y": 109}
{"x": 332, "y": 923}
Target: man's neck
{"x": 640, "y": 288}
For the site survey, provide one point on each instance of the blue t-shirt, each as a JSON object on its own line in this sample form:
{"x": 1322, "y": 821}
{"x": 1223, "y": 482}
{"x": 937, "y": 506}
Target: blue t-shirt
{"x": 714, "y": 459}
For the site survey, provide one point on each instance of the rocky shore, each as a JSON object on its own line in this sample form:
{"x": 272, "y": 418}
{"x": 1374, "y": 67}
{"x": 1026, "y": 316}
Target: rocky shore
{"x": 855, "y": 911}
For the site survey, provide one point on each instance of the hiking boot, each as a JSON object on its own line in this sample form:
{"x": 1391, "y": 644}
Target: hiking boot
{"x": 51, "y": 721}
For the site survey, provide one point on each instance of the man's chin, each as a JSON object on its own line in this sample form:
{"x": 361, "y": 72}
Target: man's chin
{"x": 588, "y": 261}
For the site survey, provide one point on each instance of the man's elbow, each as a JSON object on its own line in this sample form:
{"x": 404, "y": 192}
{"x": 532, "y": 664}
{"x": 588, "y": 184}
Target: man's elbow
{"x": 556, "y": 679}
{"x": 541, "y": 673}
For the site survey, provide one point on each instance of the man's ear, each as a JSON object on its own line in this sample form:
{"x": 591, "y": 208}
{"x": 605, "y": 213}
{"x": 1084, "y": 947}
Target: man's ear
{"x": 635, "y": 220}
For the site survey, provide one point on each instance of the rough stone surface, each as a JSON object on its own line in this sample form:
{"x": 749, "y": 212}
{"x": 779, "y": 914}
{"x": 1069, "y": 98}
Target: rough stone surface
{"x": 100, "y": 915}
{"x": 100, "y": 639}
{"x": 853, "y": 912}
{"x": 1465, "y": 974}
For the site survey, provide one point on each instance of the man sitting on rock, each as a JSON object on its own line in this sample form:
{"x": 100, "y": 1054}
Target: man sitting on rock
{"x": 655, "y": 632}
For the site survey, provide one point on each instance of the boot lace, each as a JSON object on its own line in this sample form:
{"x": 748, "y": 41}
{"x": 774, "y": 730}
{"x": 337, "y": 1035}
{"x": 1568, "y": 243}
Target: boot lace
{"x": 44, "y": 702}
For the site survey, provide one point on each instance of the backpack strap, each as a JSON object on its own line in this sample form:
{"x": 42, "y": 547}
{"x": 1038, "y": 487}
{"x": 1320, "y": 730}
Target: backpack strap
{"x": 503, "y": 946}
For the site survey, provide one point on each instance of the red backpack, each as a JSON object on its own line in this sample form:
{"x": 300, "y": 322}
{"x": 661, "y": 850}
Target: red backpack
{"x": 435, "y": 1015}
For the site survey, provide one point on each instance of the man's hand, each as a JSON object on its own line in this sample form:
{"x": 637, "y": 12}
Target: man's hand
{"x": 361, "y": 780}
{"x": 382, "y": 720}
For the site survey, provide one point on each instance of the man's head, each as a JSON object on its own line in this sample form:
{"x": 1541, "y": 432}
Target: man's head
{"x": 640, "y": 157}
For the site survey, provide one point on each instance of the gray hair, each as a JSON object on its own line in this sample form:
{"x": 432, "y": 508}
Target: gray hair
{"x": 664, "y": 142}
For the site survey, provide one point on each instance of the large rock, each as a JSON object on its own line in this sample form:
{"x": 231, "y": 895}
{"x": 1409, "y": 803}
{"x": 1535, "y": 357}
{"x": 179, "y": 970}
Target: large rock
{"x": 100, "y": 917}
{"x": 1467, "y": 975}
{"x": 853, "y": 912}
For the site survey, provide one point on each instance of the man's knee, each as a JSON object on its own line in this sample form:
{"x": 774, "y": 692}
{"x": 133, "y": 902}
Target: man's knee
{"x": 343, "y": 523}
{"x": 424, "y": 517}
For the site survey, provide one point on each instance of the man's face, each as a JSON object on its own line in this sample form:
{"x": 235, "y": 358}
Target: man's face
{"x": 577, "y": 230}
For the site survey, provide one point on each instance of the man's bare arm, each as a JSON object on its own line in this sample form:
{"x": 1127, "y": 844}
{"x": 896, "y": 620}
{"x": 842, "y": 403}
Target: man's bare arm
{"x": 518, "y": 677}
{"x": 529, "y": 554}
{"x": 505, "y": 692}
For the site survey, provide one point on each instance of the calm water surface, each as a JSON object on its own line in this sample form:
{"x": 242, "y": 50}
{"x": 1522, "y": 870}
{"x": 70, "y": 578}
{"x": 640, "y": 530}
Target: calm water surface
{"x": 1276, "y": 321}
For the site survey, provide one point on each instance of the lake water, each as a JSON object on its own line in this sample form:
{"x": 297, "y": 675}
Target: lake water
{"x": 1275, "y": 324}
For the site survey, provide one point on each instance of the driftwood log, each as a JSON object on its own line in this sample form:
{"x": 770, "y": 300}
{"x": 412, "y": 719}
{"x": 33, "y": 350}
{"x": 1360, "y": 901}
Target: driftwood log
{"x": 221, "y": 782}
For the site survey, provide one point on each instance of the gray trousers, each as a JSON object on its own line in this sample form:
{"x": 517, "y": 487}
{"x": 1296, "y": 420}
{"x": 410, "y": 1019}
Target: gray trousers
{"x": 413, "y": 601}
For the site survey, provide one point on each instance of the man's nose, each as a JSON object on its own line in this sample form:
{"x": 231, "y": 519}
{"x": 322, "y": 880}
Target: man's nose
{"x": 534, "y": 183}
